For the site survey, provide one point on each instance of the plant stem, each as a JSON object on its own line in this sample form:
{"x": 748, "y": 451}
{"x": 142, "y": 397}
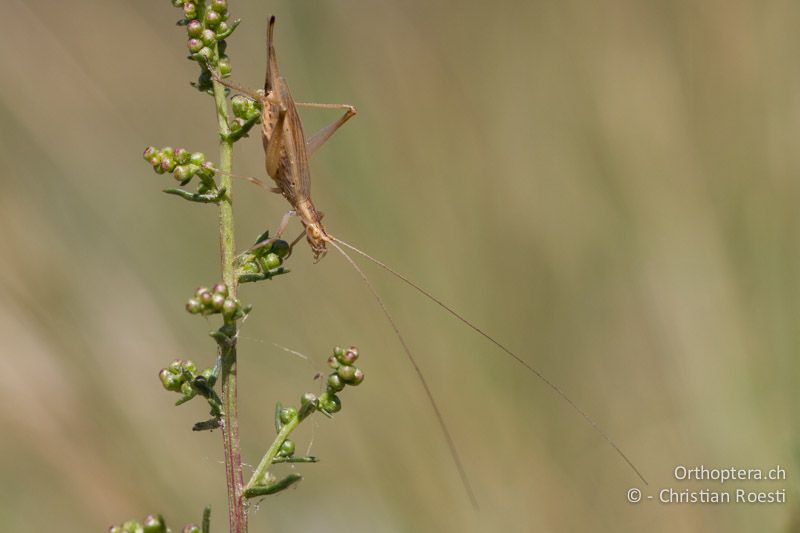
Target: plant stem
{"x": 237, "y": 516}
{"x": 261, "y": 470}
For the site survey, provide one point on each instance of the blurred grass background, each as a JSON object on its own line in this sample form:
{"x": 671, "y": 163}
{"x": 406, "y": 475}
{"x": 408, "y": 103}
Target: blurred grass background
{"x": 609, "y": 188}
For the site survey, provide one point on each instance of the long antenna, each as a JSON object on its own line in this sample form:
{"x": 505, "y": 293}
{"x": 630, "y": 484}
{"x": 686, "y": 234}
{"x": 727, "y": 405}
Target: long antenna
{"x": 491, "y": 339}
{"x": 440, "y": 418}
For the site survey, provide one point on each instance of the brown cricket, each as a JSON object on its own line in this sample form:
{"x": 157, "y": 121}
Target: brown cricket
{"x": 287, "y": 151}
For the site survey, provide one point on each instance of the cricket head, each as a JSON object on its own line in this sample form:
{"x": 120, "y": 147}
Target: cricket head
{"x": 317, "y": 239}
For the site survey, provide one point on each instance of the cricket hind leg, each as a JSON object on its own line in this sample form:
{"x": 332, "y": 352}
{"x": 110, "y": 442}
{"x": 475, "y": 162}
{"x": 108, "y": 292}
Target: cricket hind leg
{"x": 319, "y": 138}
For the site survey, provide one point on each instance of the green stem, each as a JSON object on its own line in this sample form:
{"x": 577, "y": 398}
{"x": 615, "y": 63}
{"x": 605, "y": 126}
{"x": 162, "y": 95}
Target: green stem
{"x": 261, "y": 470}
{"x": 237, "y": 515}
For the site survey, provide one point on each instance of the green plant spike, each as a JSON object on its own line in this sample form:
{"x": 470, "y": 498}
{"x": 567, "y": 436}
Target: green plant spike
{"x": 244, "y": 130}
{"x": 261, "y": 276}
{"x": 261, "y": 238}
{"x": 296, "y": 459}
{"x": 266, "y": 490}
{"x": 210, "y": 198}
{"x": 183, "y": 399}
{"x": 231, "y": 27}
{"x": 222, "y": 337}
{"x": 278, "y": 423}
{"x": 207, "y": 519}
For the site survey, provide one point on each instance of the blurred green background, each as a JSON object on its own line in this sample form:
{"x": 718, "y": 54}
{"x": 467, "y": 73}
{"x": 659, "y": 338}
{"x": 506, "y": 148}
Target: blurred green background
{"x": 610, "y": 188}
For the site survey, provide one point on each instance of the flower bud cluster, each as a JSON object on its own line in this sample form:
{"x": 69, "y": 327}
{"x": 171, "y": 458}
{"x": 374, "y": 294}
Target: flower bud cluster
{"x": 245, "y": 111}
{"x": 215, "y": 300}
{"x": 182, "y": 376}
{"x": 207, "y": 27}
{"x": 263, "y": 262}
{"x": 345, "y": 373}
{"x": 183, "y": 165}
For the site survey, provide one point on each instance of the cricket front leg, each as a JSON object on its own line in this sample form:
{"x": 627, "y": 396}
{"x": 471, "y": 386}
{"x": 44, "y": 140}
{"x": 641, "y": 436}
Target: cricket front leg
{"x": 278, "y": 232}
{"x": 319, "y": 138}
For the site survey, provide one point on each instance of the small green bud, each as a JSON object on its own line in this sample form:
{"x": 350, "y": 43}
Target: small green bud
{"x": 217, "y": 302}
{"x": 222, "y": 28}
{"x": 149, "y": 153}
{"x": 195, "y": 45}
{"x": 170, "y": 381}
{"x": 157, "y": 167}
{"x": 308, "y": 404}
{"x": 307, "y": 398}
{"x": 348, "y": 357}
{"x": 229, "y": 308}
{"x": 280, "y": 248}
{"x": 205, "y": 297}
{"x": 186, "y": 389}
{"x": 194, "y": 28}
{"x": 208, "y": 374}
{"x": 205, "y": 53}
{"x": 182, "y": 156}
{"x": 176, "y": 367}
{"x": 358, "y": 377}
{"x": 197, "y": 158}
{"x": 189, "y": 366}
{"x": 189, "y": 10}
{"x": 333, "y": 363}
{"x": 167, "y": 151}
{"x": 288, "y": 414}
{"x": 224, "y": 66}
{"x": 213, "y": 19}
{"x": 168, "y": 164}
{"x": 335, "y": 382}
{"x": 272, "y": 261}
{"x": 208, "y": 37}
{"x": 131, "y": 526}
{"x": 190, "y": 528}
{"x": 237, "y": 123}
{"x": 220, "y": 288}
{"x": 287, "y": 448}
{"x": 193, "y": 169}
{"x": 249, "y": 268}
{"x": 239, "y": 105}
{"x": 194, "y": 306}
{"x": 207, "y": 170}
{"x": 182, "y": 173}
{"x": 177, "y": 3}
{"x": 330, "y": 403}
{"x": 154, "y": 524}
{"x": 220, "y": 6}
{"x": 347, "y": 373}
